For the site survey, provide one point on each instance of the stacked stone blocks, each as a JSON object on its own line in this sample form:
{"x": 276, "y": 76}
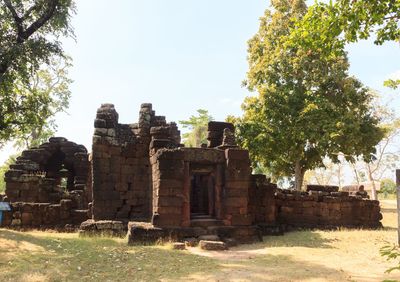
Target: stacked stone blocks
{"x": 319, "y": 209}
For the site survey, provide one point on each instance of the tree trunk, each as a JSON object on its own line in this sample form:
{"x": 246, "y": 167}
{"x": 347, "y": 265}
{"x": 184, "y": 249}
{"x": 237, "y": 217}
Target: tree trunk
{"x": 298, "y": 176}
{"x": 356, "y": 174}
{"x": 373, "y": 187}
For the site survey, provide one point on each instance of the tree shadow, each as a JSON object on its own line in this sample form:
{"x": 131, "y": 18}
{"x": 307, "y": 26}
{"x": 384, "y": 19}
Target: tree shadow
{"x": 304, "y": 238}
{"x": 50, "y": 242}
{"x": 94, "y": 258}
{"x": 271, "y": 268}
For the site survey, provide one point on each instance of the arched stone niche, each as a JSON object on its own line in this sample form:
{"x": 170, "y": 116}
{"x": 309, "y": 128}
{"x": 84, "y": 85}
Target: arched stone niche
{"x": 56, "y": 170}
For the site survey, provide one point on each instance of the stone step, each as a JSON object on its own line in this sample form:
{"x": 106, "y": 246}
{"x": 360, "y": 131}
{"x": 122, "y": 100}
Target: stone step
{"x": 205, "y": 222}
{"x": 209, "y": 238}
{"x": 222, "y": 230}
{"x": 199, "y": 215}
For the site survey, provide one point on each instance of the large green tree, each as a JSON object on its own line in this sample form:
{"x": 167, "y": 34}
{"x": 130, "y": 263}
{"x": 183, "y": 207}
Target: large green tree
{"x": 30, "y": 32}
{"x": 197, "y": 128}
{"x": 307, "y": 107}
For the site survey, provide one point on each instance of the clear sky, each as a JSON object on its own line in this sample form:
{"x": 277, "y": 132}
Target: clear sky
{"x": 180, "y": 55}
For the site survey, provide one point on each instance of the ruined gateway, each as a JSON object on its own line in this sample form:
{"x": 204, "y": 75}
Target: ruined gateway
{"x": 140, "y": 177}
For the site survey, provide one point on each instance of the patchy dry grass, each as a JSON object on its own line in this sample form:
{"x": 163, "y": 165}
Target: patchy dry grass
{"x": 344, "y": 255}
{"x": 40, "y": 256}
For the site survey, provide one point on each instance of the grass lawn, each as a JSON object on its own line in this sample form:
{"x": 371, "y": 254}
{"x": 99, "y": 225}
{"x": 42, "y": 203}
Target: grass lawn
{"x": 345, "y": 255}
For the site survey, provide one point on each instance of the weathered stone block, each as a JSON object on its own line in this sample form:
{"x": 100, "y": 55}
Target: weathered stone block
{"x": 235, "y": 202}
{"x": 212, "y": 245}
{"x": 178, "y": 246}
{"x": 237, "y": 154}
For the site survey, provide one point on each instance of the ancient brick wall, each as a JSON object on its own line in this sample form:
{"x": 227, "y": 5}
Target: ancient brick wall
{"x": 262, "y": 204}
{"x": 121, "y": 171}
{"x": 319, "y": 209}
{"x": 44, "y": 215}
{"x": 236, "y": 188}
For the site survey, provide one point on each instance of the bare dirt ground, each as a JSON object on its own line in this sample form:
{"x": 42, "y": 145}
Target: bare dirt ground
{"x": 344, "y": 255}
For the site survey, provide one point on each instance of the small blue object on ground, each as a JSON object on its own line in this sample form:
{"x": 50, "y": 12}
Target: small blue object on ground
{"x": 4, "y": 206}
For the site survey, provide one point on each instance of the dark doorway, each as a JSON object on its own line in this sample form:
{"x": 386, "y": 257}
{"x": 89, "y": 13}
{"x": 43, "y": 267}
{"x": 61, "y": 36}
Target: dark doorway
{"x": 202, "y": 195}
{"x": 62, "y": 172}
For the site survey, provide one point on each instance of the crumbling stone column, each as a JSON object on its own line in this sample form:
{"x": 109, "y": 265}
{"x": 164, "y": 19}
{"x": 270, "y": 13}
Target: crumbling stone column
{"x": 237, "y": 182}
{"x": 168, "y": 186}
{"x": 216, "y": 132}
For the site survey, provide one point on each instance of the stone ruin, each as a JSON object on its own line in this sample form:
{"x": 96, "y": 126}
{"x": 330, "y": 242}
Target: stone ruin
{"x": 140, "y": 178}
{"x": 48, "y": 186}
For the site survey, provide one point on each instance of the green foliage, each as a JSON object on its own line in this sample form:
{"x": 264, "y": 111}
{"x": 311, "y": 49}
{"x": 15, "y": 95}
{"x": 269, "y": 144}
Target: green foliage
{"x": 392, "y": 83}
{"x": 356, "y": 20}
{"x": 307, "y": 106}
{"x": 3, "y": 169}
{"x": 197, "y": 126}
{"x": 50, "y": 88}
{"x": 391, "y": 252}
{"x": 30, "y": 34}
{"x": 388, "y": 186}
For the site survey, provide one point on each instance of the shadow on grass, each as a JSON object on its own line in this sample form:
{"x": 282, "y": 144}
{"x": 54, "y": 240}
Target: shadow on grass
{"x": 51, "y": 241}
{"x": 388, "y": 228}
{"x": 304, "y": 238}
{"x": 88, "y": 259}
{"x": 270, "y": 268}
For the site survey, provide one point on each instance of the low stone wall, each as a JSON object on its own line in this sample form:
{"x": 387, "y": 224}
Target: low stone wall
{"x": 318, "y": 209}
{"x": 43, "y": 215}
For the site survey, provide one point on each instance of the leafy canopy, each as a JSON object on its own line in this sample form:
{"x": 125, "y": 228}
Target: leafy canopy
{"x": 49, "y": 89}
{"x": 352, "y": 21}
{"x": 197, "y": 126}
{"x": 29, "y": 38}
{"x": 307, "y": 106}
{"x": 358, "y": 19}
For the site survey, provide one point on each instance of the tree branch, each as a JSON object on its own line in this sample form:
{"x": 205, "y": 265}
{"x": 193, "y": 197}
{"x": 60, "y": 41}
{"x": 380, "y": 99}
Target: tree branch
{"x": 381, "y": 155}
{"x": 22, "y": 34}
{"x": 42, "y": 20}
{"x": 17, "y": 19}
{"x": 391, "y": 17}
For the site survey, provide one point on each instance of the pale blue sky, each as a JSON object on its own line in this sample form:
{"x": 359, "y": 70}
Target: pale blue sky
{"x": 180, "y": 55}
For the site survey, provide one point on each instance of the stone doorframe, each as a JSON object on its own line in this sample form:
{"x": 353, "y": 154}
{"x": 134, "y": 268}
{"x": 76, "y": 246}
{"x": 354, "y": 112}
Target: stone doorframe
{"x": 217, "y": 170}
